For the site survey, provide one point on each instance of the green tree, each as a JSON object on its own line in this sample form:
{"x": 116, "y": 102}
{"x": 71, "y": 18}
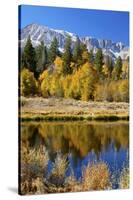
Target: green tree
{"x": 41, "y": 57}
{"x": 98, "y": 62}
{"x": 77, "y": 51}
{"x": 91, "y": 57}
{"x": 84, "y": 53}
{"x": 117, "y": 69}
{"x": 28, "y": 84}
{"x": 67, "y": 57}
{"x": 29, "y": 57}
{"x": 53, "y": 50}
{"x": 83, "y": 47}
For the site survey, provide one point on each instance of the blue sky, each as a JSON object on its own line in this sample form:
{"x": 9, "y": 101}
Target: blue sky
{"x": 101, "y": 24}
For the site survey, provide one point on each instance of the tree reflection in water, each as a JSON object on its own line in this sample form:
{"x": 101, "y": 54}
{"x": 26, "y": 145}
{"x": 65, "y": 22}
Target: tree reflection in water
{"x": 81, "y": 142}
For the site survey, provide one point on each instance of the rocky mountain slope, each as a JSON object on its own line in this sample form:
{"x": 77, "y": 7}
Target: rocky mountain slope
{"x": 40, "y": 33}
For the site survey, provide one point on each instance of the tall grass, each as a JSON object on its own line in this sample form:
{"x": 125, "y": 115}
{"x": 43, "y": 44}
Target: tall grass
{"x": 96, "y": 177}
{"x": 33, "y": 169}
{"x": 124, "y": 179}
{"x": 36, "y": 180}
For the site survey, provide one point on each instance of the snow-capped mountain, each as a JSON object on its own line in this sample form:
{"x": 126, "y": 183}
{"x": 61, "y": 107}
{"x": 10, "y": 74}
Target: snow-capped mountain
{"x": 40, "y": 33}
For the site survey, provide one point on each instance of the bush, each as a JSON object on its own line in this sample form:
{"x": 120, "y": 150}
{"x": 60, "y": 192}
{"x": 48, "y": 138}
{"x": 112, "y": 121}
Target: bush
{"x": 124, "y": 90}
{"x": 124, "y": 179}
{"x": 112, "y": 91}
{"x": 96, "y": 177}
{"x": 28, "y": 85}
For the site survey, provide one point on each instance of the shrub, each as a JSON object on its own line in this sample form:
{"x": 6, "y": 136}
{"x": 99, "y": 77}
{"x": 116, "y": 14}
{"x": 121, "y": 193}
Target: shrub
{"x": 124, "y": 90}
{"x": 112, "y": 91}
{"x": 33, "y": 168}
{"x": 124, "y": 179}
{"x": 28, "y": 85}
{"x": 96, "y": 177}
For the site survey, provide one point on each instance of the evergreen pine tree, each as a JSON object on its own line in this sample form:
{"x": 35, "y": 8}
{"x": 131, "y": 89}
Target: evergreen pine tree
{"x": 86, "y": 56}
{"x": 91, "y": 57}
{"x": 67, "y": 56}
{"x": 77, "y": 51}
{"x": 29, "y": 57}
{"x": 83, "y": 47}
{"x": 53, "y": 51}
{"x": 117, "y": 69}
{"x": 41, "y": 57}
{"x": 98, "y": 62}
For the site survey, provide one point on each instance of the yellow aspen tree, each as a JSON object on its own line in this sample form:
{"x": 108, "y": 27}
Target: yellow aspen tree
{"x": 45, "y": 83}
{"x": 59, "y": 68}
{"x": 28, "y": 84}
{"x": 88, "y": 80}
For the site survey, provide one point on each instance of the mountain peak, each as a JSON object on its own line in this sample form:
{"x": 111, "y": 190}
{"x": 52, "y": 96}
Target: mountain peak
{"x": 40, "y": 33}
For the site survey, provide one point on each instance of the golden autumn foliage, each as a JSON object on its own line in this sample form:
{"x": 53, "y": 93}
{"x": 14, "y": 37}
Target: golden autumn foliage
{"x": 66, "y": 83}
{"x": 88, "y": 79}
{"x": 125, "y": 70}
{"x": 59, "y": 68}
{"x": 82, "y": 82}
{"x": 124, "y": 90}
{"x": 105, "y": 71}
{"x": 85, "y": 56}
{"x": 75, "y": 87}
{"x": 56, "y": 88}
{"x": 45, "y": 79}
{"x": 112, "y": 91}
{"x": 28, "y": 85}
{"x": 76, "y": 73}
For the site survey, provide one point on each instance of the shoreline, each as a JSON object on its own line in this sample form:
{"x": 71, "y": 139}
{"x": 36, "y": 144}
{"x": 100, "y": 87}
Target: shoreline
{"x": 72, "y": 118}
{"x": 59, "y": 109}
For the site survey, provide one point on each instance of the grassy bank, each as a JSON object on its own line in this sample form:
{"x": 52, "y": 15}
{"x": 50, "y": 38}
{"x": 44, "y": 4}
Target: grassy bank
{"x": 41, "y": 117}
{"x": 59, "y": 109}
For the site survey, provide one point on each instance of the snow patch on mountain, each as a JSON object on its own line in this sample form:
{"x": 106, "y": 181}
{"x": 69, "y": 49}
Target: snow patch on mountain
{"x": 40, "y": 33}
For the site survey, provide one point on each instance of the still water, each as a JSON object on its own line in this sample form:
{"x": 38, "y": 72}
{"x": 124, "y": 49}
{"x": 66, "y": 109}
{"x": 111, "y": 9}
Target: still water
{"x": 82, "y": 142}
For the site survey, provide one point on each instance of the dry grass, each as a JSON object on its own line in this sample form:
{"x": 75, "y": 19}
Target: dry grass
{"x": 124, "y": 179}
{"x": 96, "y": 177}
{"x": 34, "y": 179}
{"x": 39, "y": 108}
{"x": 33, "y": 168}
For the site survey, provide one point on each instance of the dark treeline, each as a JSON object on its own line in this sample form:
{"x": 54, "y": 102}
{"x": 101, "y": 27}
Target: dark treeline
{"x": 75, "y": 73}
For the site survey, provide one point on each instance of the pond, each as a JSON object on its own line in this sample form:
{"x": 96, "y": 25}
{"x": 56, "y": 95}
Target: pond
{"x": 82, "y": 143}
